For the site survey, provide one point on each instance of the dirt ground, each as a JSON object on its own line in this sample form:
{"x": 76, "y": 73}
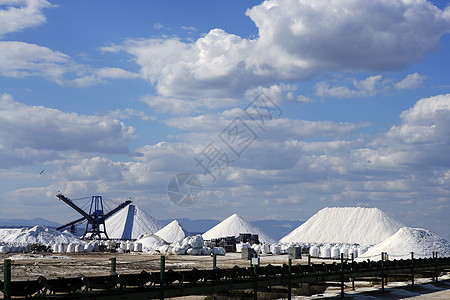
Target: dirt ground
{"x": 30, "y": 266}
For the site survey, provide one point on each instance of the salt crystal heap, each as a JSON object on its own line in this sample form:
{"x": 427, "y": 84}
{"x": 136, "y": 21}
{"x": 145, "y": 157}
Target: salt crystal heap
{"x": 40, "y": 234}
{"x": 349, "y": 225}
{"x": 172, "y": 232}
{"x": 131, "y": 223}
{"x": 151, "y": 242}
{"x": 406, "y": 240}
{"x": 234, "y": 226}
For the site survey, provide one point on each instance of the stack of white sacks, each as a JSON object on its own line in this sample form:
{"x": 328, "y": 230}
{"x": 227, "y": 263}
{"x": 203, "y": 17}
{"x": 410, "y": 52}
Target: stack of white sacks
{"x": 94, "y": 246}
{"x": 14, "y": 248}
{"x": 264, "y": 248}
{"x": 334, "y": 251}
{"x": 191, "y": 245}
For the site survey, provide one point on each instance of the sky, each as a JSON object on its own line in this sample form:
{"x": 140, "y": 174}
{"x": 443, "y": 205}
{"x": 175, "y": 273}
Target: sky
{"x": 274, "y": 109}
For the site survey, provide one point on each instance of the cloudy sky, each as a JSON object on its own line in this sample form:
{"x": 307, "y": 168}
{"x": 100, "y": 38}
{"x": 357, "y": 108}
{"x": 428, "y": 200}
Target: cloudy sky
{"x": 279, "y": 108}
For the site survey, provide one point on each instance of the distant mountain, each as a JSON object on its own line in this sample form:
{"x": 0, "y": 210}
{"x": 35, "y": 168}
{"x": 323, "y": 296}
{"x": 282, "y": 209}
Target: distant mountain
{"x": 276, "y": 229}
{"x": 27, "y": 223}
{"x": 193, "y": 226}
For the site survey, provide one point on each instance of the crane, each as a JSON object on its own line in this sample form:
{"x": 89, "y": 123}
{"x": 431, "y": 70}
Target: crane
{"x": 96, "y": 217}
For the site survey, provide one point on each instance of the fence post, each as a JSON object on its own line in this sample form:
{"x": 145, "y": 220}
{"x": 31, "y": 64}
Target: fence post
{"x": 7, "y": 279}
{"x": 437, "y": 266}
{"x": 113, "y": 266}
{"x": 214, "y": 261}
{"x": 162, "y": 268}
{"x": 289, "y": 279}
{"x": 382, "y": 271}
{"x": 412, "y": 268}
{"x": 386, "y": 258}
{"x": 342, "y": 275}
{"x": 353, "y": 278}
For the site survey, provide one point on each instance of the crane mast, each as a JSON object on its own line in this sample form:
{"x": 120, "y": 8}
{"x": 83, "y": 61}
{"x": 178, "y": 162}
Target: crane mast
{"x": 95, "y": 226}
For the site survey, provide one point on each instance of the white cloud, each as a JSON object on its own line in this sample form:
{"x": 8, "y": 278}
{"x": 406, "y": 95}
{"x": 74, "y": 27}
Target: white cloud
{"x": 351, "y": 35}
{"x": 201, "y": 105}
{"x": 32, "y": 131}
{"x": 367, "y": 87}
{"x": 189, "y": 28}
{"x": 411, "y": 81}
{"x": 359, "y": 88}
{"x": 158, "y": 26}
{"x": 128, "y": 113}
{"x": 19, "y": 59}
{"x": 18, "y": 15}
{"x": 297, "y": 39}
{"x": 426, "y": 123}
{"x": 185, "y": 106}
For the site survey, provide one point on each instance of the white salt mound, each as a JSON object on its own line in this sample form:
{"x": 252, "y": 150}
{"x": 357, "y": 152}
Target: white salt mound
{"x": 406, "y": 240}
{"x": 40, "y": 234}
{"x": 172, "y": 232}
{"x": 130, "y": 223}
{"x": 151, "y": 242}
{"x": 350, "y": 225}
{"x": 5, "y": 233}
{"x": 233, "y": 226}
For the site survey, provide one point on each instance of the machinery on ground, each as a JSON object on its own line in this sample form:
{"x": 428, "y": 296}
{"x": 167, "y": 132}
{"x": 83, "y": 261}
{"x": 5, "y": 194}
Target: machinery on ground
{"x": 95, "y": 226}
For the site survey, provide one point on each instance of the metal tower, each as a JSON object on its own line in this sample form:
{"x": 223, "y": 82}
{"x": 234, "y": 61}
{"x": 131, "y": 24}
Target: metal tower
{"x": 96, "y": 217}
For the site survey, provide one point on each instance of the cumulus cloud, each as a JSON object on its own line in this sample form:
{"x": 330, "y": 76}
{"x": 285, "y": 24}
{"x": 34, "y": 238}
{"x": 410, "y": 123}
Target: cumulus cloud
{"x": 367, "y": 87}
{"x": 128, "y": 113}
{"x": 352, "y": 35}
{"x": 426, "y": 123}
{"x": 360, "y": 88}
{"x": 18, "y": 15}
{"x": 277, "y": 93}
{"x": 20, "y": 60}
{"x": 296, "y": 40}
{"x": 411, "y": 81}
{"x": 186, "y": 106}
{"x": 40, "y": 131}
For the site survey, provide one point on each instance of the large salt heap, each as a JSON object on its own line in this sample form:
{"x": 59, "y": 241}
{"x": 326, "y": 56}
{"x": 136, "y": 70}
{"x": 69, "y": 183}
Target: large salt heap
{"x": 234, "y": 226}
{"x": 350, "y": 225}
{"x": 406, "y": 240}
{"x": 130, "y": 223}
{"x": 39, "y": 234}
{"x": 151, "y": 242}
{"x": 172, "y": 232}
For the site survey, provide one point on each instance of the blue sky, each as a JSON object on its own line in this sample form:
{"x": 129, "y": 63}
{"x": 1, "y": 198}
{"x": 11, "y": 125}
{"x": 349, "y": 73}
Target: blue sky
{"x": 115, "y": 99}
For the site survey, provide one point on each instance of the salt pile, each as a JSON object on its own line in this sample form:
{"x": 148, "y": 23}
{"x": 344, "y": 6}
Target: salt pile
{"x": 348, "y": 225}
{"x": 39, "y": 234}
{"x": 406, "y": 240}
{"x": 192, "y": 245}
{"x": 151, "y": 242}
{"x": 234, "y": 226}
{"x": 172, "y": 232}
{"x": 130, "y": 223}
{"x": 7, "y": 232}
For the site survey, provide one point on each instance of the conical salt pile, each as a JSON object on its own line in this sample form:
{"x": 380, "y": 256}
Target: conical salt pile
{"x": 406, "y": 240}
{"x": 39, "y": 234}
{"x": 233, "y": 226}
{"x": 130, "y": 223}
{"x": 172, "y": 232}
{"x": 352, "y": 225}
